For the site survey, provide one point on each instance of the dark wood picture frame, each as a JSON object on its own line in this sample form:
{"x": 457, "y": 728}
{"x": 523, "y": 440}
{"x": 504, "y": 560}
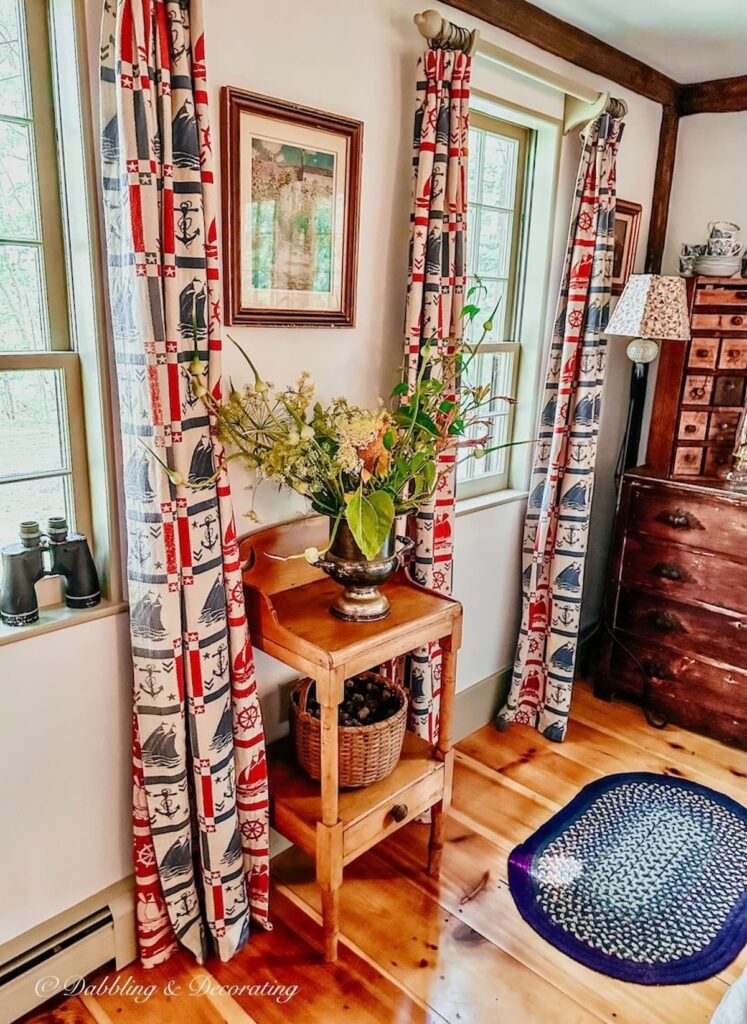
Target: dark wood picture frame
{"x": 627, "y": 216}
{"x": 234, "y": 102}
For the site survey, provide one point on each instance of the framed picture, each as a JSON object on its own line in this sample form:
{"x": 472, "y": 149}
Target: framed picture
{"x": 627, "y": 225}
{"x": 291, "y": 190}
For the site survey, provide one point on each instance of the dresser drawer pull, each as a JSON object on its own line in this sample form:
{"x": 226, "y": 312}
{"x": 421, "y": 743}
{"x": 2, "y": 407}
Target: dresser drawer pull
{"x": 737, "y": 321}
{"x": 740, "y": 625}
{"x": 731, "y": 681}
{"x": 655, "y": 670}
{"x": 680, "y": 520}
{"x": 667, "y": 622}
{"x": 399, "y": 812}
{"x": 740, "y": 295}
{"x": 670, "y": 571}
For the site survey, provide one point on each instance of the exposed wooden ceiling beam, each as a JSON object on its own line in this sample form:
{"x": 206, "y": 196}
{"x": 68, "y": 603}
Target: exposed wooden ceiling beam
{"x": 721, "y": 96}
{"x": 528, "y": 22}
{"x": 657, "y": 229}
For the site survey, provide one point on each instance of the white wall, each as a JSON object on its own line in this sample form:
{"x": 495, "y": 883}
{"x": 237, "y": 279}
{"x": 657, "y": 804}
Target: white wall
{"x": 65, "y": 769}
{"x": 65, "y": 731}
{"x": 710, "y": 179}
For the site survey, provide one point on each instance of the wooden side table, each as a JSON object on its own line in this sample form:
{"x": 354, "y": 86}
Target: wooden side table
{"x": 288, "y": 607}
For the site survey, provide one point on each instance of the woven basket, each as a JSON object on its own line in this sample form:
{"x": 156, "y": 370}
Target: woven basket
{"x": 368, "y": 753}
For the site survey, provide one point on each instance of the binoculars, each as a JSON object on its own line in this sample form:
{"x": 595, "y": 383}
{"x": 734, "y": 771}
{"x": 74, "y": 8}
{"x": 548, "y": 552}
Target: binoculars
{"x": 68, "y": 556}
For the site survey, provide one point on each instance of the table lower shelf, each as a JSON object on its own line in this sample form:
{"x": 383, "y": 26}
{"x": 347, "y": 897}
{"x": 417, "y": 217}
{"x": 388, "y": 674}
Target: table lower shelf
{"x": 366, "y": 814}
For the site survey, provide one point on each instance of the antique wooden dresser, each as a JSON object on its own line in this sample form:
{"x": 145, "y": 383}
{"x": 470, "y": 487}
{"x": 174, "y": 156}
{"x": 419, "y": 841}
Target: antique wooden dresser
{"x": 676, "y": 604}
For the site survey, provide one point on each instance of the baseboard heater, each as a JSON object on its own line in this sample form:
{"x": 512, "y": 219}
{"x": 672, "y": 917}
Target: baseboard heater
{"x": 72, "y": 945}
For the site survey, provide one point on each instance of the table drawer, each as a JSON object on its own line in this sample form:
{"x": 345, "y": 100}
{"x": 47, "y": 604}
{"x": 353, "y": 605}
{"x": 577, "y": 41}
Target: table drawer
{"x": 718, "y": 635}
{"x": 690, "y": 692}
{"x": 384, "y": 819}
{"x": 709, "y": 522}
{"x": 680, "y": 574}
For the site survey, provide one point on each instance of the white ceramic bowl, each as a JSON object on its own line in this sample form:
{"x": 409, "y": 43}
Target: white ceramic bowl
{"x": 717, "y": 266}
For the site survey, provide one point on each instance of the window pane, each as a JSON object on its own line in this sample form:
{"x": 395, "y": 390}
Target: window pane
{"x": 473, "y": 162}
{"x": 32, "y": 423}
{"x": 23, "y": 314}
{"x": 14, "y": 95}
{"x": 494, "y": 243}
{"x": 496, "y": 369}
{"x": 38, "y": 500}
{"x": 18, "y": 213}
{"x": 485, "y": 298}
{"x": 499, "y": 171}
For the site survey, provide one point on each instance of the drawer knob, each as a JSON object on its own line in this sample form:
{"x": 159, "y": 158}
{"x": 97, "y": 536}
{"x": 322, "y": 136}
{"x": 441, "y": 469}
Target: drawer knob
{"x": 655, "y": 670}
{"x": 399, "y": 812}
{"x": 667, "y": 622}
{"x": 681, "y": 520}
{"x": 669, "y": 571}
{"x": 737, "y": 320}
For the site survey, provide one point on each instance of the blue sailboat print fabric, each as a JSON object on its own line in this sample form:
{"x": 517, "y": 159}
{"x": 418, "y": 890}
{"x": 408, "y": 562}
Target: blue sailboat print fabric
{"x": 556, "y": 528}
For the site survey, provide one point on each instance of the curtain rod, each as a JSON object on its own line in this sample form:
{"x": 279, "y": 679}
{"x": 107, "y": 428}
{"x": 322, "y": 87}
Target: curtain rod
{"x": 582, "y": 103}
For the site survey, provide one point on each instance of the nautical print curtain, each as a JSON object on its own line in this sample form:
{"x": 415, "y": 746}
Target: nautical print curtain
{"x": 200, "y": 781}
{"x": 557, "y": 521}
{"x": 435, "y": 297}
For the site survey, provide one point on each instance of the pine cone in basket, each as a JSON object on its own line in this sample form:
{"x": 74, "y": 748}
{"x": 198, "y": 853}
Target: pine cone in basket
{"x": 367, "y": 701}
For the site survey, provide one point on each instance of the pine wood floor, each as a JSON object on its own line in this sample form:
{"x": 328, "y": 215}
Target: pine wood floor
{"x": 414, "y": 950}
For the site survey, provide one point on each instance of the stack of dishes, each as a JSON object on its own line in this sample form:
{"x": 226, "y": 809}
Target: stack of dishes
{"x": 718, "y": 266}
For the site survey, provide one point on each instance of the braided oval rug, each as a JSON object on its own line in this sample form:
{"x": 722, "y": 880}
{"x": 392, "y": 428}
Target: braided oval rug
{"x": 641, "y": 876}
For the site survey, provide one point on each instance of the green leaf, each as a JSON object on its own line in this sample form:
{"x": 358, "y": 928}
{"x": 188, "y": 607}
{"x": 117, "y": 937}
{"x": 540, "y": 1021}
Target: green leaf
{"x": 429, "y": 473}
{"x": 400, "y": 389}
{"x": 446, "y": 406}
{"x": 388, "y": 440}
{"x": 427, "y": 423}
{"x": 370, "y": 519}
{"x": 470, "y": 310}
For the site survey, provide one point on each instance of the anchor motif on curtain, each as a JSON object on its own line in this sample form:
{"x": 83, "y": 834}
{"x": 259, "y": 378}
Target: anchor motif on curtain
{"x": 200, "y": 807}
{"x": 559, "y": 508}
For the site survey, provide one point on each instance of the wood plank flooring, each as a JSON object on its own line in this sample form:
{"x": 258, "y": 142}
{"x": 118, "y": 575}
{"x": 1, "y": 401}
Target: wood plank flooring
{"x": 454, "y": 951}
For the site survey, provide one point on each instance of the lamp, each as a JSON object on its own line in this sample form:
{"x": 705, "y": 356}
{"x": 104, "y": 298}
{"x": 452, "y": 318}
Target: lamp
{"x": 651, "y": 308}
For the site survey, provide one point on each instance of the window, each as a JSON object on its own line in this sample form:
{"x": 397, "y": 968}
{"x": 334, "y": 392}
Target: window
{"x": 497, "y": 162}
{"x": 42, "y": 439}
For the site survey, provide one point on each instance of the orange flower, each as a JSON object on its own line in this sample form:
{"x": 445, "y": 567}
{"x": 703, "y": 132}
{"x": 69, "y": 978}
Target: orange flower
{"x": 374, "y": 456}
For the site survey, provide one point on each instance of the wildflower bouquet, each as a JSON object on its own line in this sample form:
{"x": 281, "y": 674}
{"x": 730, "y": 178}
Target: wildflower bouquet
{"x": 366, "y": 466}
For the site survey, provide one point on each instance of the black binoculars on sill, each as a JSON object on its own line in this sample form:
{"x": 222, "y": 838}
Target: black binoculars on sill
{"x": 24, "y": 565}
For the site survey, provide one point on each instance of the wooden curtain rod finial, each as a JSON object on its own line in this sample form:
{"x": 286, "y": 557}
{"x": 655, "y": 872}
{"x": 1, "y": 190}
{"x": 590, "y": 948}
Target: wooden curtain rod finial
{"x": 440, "y": 32}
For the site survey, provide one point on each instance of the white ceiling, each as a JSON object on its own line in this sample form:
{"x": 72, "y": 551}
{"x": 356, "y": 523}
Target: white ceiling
{"x": 689, "y": 40}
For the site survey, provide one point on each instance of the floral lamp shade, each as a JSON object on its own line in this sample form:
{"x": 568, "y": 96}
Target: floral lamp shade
{"x": 652, "y": 306}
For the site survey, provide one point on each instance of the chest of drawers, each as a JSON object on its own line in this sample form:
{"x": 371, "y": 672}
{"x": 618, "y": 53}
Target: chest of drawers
{"x": 677, "y": 603}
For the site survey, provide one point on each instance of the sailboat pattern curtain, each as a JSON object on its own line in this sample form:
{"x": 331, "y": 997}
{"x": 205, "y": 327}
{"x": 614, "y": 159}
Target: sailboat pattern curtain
{"x": 200, "y": 808}
{"x": 435, "y": 297}
{"x": 557, "y": 522}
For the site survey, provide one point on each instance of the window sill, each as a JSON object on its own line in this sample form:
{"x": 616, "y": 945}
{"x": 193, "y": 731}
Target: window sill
{"x": 57, "y": 617}
{"x": 466, "y": 506}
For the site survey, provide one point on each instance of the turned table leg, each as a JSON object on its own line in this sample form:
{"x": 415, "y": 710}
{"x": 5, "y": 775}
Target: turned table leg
{"x": 329, "y": 829}
{"x": 449, "y": 647}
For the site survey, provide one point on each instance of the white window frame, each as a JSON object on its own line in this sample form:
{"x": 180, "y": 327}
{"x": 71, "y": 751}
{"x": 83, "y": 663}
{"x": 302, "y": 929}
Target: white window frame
{"x": 471, "y": 485}
{"x": 70, "y": 211}
{"x": 61, "y": 355}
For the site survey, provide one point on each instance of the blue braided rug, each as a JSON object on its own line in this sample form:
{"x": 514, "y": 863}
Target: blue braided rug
{"x": 642, "y": 877}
